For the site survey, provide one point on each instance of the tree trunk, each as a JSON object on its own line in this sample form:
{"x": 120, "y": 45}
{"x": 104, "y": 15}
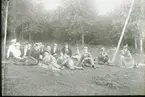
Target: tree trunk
{"x": 5, "y": 37}
{"x": 142, "y": 28}
{"x": 14, "y": 15}
{"x": 141, "y": 45}
{"x": 82, "y": 38}
{"x": 22, "y": 32}
{"x": 135, "y": 43}
{"x": 29, "y": 36}
{"x": 122, "y": 34}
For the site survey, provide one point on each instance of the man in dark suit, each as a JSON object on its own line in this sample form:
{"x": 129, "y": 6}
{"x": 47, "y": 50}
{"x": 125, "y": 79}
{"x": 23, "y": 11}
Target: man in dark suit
{"x": 66, "y": 50}
{"x": 54, "y": 50}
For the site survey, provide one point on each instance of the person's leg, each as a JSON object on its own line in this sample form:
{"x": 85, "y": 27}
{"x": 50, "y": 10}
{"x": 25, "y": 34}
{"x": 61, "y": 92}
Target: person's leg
{"x": 100, "y": 60}
{"x": 70, "y": 64}
{"x": 31, "y": 61}
{"x": 54, "y": 64}
{"x": 19, "y": 61}
{"x": 123, "y": 61}
{"x": 106, "y": 61}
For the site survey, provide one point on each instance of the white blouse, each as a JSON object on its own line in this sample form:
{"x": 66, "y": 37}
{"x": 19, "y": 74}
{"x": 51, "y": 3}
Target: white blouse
{"x": 16, "y": 52}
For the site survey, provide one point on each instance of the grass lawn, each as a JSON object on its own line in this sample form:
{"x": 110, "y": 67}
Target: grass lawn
{"x": 106, "y": 80}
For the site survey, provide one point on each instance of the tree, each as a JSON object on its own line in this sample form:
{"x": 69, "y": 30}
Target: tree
{"x": 123, "y": 30}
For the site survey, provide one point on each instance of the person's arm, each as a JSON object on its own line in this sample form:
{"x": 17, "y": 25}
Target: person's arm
{"x": 129, "y": 54}
{"x": 89, "y": 56}
{"x": 8, "y": 52}
{"x": 18, "y": 57}
{"x": 25, "y": 52}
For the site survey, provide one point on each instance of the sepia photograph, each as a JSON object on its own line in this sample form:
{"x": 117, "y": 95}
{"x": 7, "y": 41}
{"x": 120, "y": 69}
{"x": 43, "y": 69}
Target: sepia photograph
{"x": 72, "y": 47}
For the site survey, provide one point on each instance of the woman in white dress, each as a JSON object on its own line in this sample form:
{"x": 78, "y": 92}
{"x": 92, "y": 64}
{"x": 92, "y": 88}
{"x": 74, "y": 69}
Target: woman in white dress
{"x": 126, "y": 58}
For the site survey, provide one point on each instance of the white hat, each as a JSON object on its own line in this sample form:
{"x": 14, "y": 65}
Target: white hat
{"x": 13, "y": 40}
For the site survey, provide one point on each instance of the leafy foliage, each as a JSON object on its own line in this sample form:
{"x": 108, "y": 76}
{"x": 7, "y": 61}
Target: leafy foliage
{"x": 27, "y": 20}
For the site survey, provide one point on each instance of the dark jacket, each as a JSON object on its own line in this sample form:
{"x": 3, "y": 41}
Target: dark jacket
{"x": 56, "y": 52}
{"x": 69, "y": 52}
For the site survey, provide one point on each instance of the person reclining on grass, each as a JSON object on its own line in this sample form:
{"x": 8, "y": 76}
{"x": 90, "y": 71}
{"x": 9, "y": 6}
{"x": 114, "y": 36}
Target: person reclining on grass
{"x": 65, "y": 60}
{"x": 49, "y": 61}
{"x": 126, "y": 58}
{"x": 103, "y": 58}
{"x": 16, "y": 56}
{"x": 86, "y": 59}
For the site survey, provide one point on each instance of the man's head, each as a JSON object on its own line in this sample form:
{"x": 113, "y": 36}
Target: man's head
{"x": 66, "y": 45}
{"x": 85, "y": 49}
{"x": 13, "y": 40}
{"x": 55, "y": 45}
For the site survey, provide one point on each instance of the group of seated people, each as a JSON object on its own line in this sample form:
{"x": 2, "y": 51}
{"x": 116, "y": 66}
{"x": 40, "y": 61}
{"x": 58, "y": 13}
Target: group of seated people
{"x": 53, "y": 57}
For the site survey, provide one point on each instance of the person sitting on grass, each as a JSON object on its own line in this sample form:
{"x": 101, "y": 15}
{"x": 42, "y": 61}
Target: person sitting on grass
{"x": 16, "y": 54}
{"x": 126, "y": 58}
{"x": 49, "y": 61}
{"x": 37, "y": 52}
{"x": 64, "y": 60}
{"x": 54, "y": 50}
{"x": 28, "y": 56}
{"x": 11, "y": 49}
{"x": 103, "y": 58}
{"x": 41, "y": 51}
{"x": 26, "y": 49}
{"x": 86, "y": 59}
{"x": 66, "y": 50}
{"x": 77, "y": 55}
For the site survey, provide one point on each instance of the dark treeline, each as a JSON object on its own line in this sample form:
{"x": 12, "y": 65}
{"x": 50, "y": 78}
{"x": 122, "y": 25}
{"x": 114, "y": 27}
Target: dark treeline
{"x": 78, "y": 21}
